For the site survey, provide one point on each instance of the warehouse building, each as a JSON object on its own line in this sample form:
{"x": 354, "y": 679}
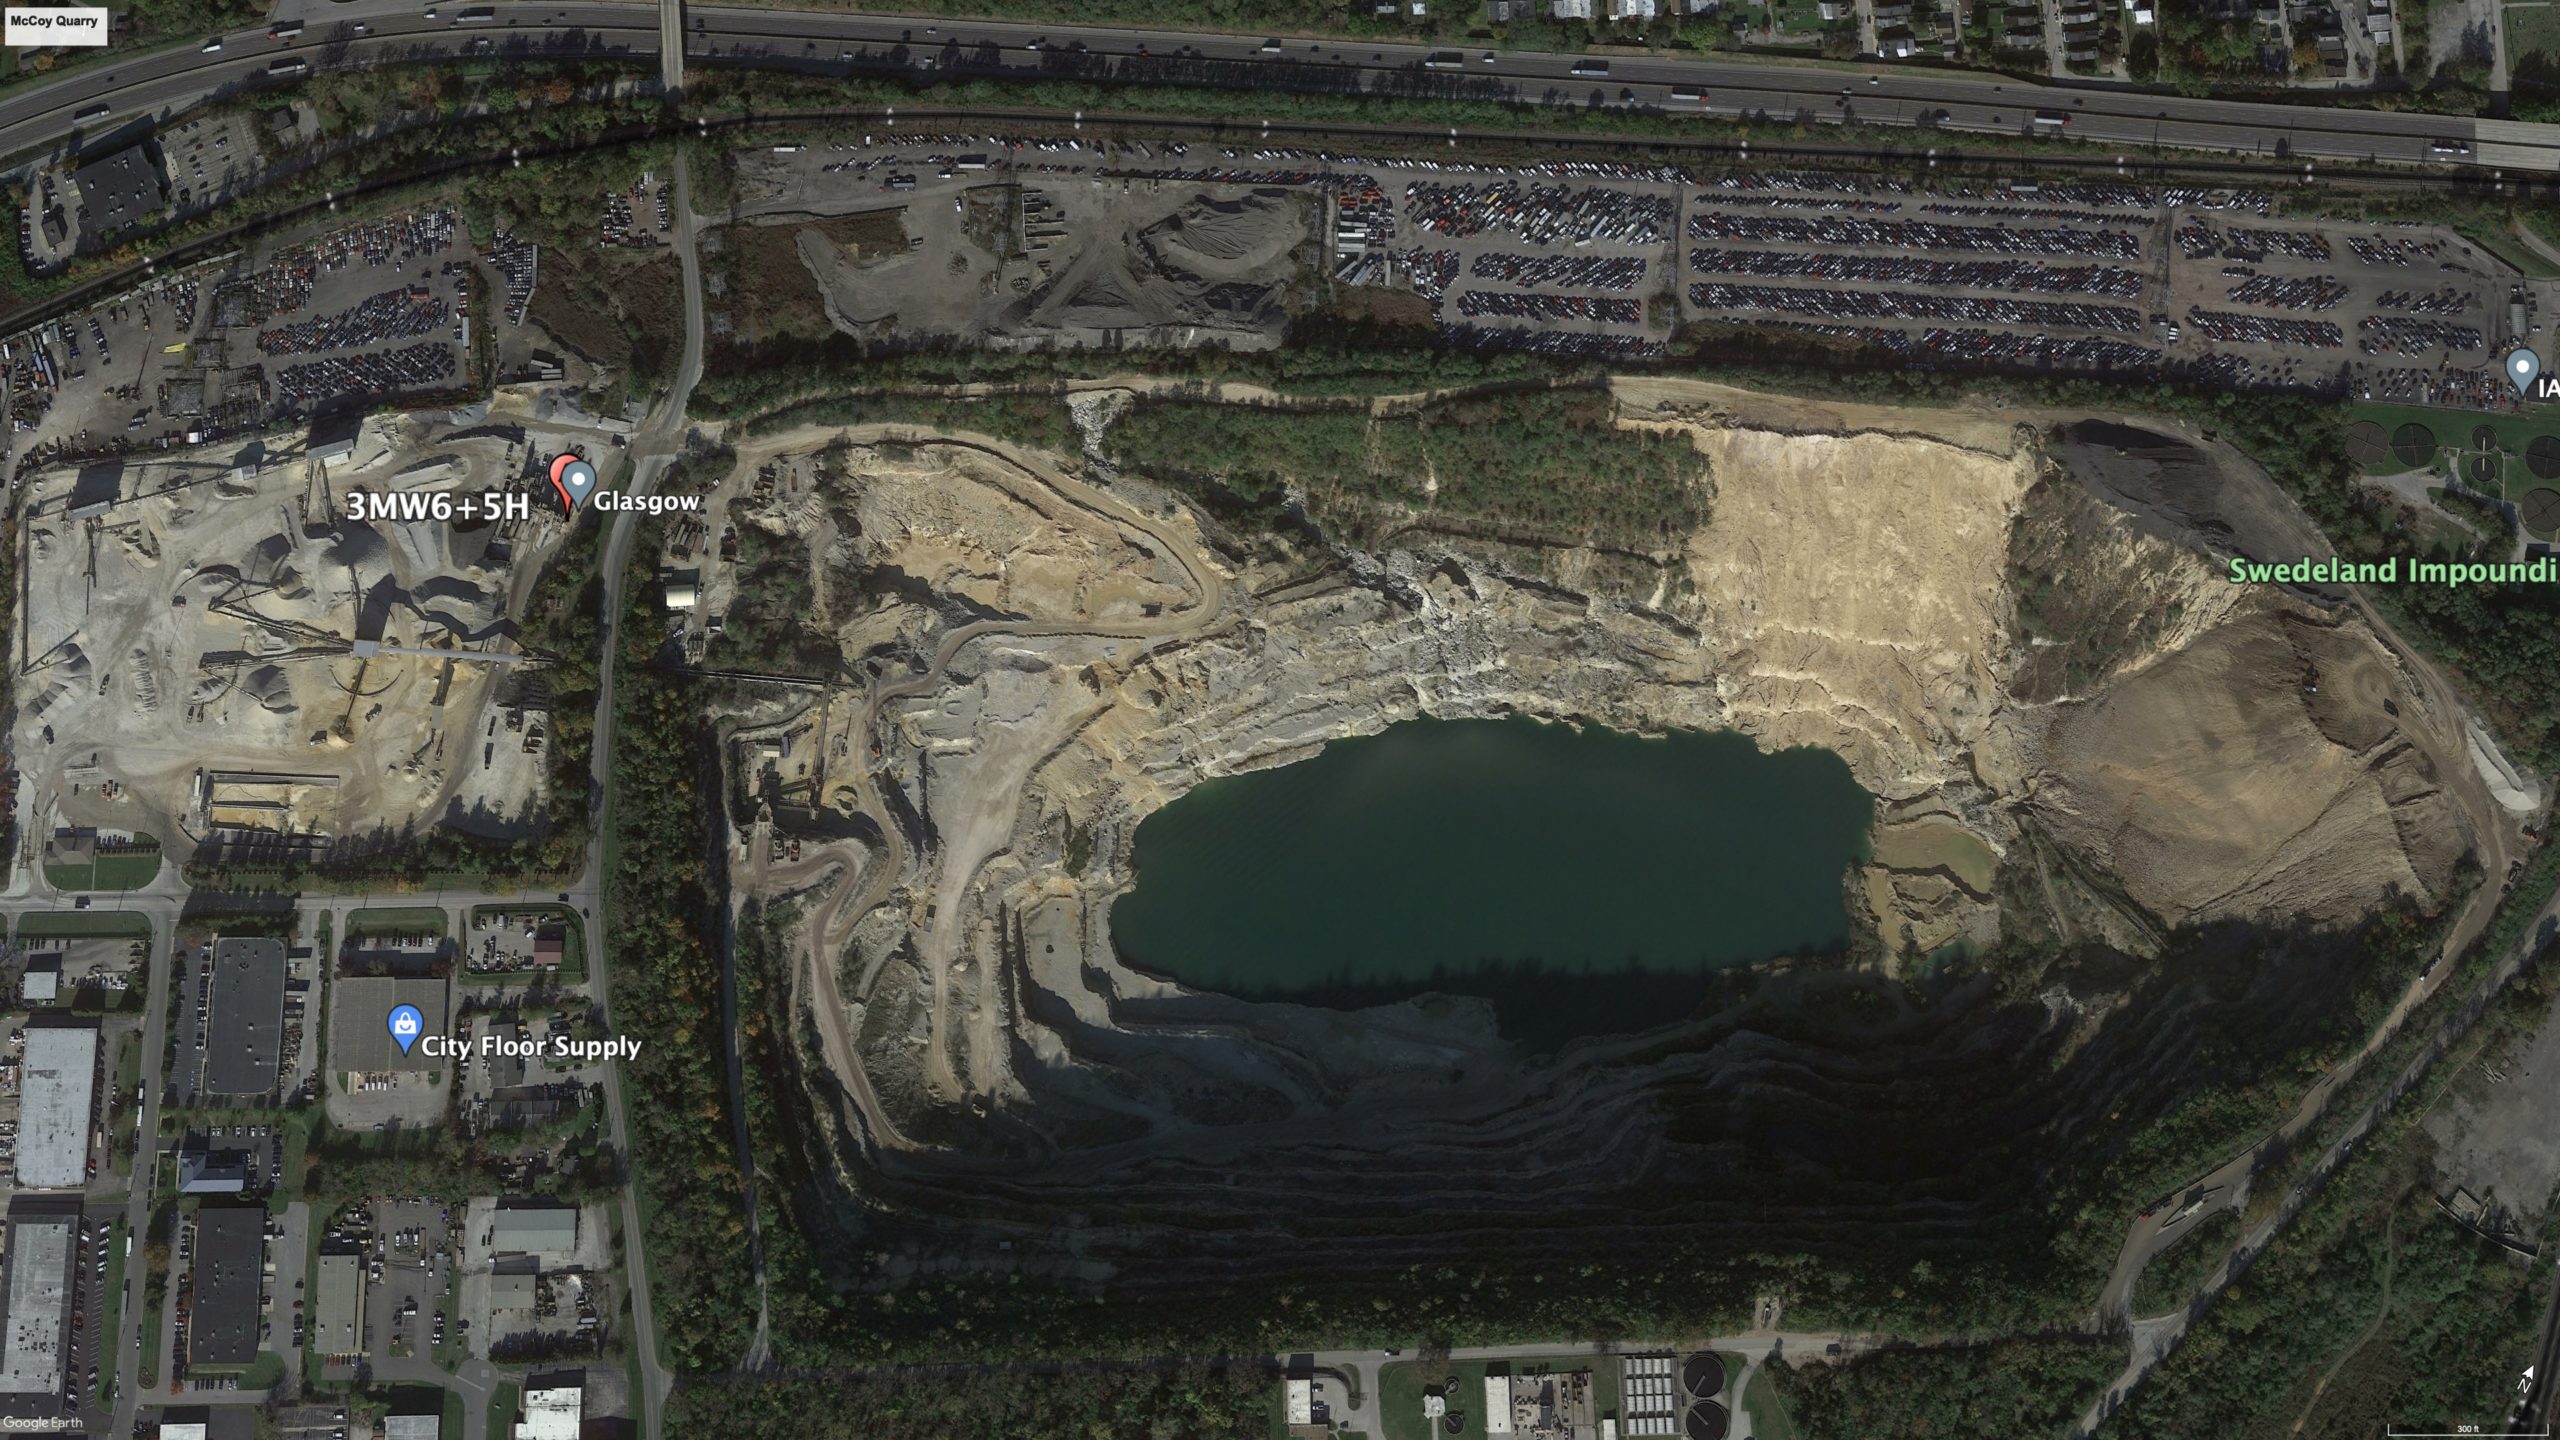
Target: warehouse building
{"x": 57, "y": 1097}
{"x": 200, "y": 1422}
{"x": 413, "y": 1427}
{"x": 548, "y": 1233}
{"x": 247, "y": 1008}
{"x": 337, "y": 1327}
{"x": 553, "y": 1407}
{"x": 35, "y": 1328}
{"x": 121, "y": 189}
{"x": 230, "y": 1264}
{"x": 359, "y": 1041}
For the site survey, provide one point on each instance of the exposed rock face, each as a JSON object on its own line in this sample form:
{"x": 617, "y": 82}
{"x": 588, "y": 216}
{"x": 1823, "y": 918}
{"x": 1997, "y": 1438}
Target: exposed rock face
{"x": 1857, "y": 585}
{"x": 2229, "y": 753}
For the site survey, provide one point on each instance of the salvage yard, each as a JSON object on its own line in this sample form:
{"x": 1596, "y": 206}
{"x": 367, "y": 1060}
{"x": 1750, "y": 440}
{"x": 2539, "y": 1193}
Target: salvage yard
{"x": 1024, "y": 240}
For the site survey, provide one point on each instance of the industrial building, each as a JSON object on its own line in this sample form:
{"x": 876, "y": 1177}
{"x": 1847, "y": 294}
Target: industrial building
{"x": 359, "y": 1043}
{"x": 121, "y": 189}
{"x": 548, "y": 1233}
{"x": 337, "y": 1327}
{"x": 34, "y": 1329}
{"x": 200, "y": 1422}
{"x": 247, "y": 1007}
{"x": 553, "y": 1407}
{"x": 413, "y": 1427}
{"x": 57, "y": 1097}
{"x": 230, "y": 1287}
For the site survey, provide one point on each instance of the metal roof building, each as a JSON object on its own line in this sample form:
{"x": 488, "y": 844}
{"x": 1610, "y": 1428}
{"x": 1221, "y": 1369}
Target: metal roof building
{"x": 38, "y": 1318}
{"x": 230, "y": 1261}
{"x": 551, "y": 1413}
{"x": 360, "y": 1005}
{"x": 58, "y": 1091}
{"x": 198, "y": 1422}
{"x": 413, "y": 1427}
{"x": 247, "y": 1007}
{"x": 338, "y": 1326}
{"x": 546, "y": 1232}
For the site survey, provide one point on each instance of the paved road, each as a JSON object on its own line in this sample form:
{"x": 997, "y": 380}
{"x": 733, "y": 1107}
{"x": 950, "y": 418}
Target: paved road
{"x": 1977, "y": 104}
{"x": 655, "y": 446}
{"x": 146, "y": 1160}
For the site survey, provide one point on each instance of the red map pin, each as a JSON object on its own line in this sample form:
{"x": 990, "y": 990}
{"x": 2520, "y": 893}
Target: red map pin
{"x": 573, "y": 478}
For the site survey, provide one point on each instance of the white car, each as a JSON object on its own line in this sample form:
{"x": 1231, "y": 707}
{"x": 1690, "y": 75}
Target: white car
{"x": 212, "y": 45}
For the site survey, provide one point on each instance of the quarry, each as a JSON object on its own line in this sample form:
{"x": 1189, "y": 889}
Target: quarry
{"x": 217, "y": 656}
{"x": 947, "y": 813}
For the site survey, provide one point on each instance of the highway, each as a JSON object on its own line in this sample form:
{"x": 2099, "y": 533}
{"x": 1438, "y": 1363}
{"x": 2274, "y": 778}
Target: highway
{"x": 161, "y": 82}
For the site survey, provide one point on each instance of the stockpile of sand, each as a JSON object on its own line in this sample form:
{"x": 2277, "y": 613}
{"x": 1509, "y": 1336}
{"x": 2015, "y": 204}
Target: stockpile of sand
{"x": 1226, "y": 239}
{"x": 2255, "y": 773}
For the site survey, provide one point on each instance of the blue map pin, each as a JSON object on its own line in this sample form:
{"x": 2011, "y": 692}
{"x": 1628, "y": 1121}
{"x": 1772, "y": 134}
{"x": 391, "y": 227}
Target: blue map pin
{"x": 406, "y": 1022}
{"x": 2522, "y": 366}
{"x": 573, "y": 478}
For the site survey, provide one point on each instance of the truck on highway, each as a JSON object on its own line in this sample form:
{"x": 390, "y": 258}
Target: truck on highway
{"x": 92, "y": 115}
{"x": 291, "y": 67}
{"x": 286, "y": 30}
{"x": 1444, "y": 60}
{"x": 2051, "y": 119}
{"x": 476, "y": 15}
{"x": 1591, "y": 69}
{"x": 1689, "y": 94}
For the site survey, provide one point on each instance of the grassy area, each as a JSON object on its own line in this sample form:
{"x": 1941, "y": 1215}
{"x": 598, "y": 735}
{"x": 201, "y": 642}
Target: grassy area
{"x": 2533, "y": 30}
{"x": 639, "y": 1389}
{"x": 1769, "y": 1419}
{"x": 452, "y": 1412}
{"x": 399, "y": 920}
{"x": 2491, "y": 233}
{"x": 122, "y": 870}
{"x": 1400, "y": 1389}
{"x": 155, "y": 1293}
{"x": 502, "y": 1408}
{"x": 124, "y": 1141}
{"x": 2452, "y": 429}
{"x": 263, "y": 1373}
{"x": 79, "y": 924}
{"x": 1796, "y": 19}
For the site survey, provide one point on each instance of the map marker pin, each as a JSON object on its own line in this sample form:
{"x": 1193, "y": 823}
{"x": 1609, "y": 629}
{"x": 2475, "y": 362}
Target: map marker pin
{"x": 2522, "y": 366}
{"x": 406, "y": 1022}
{"x": 573, "y": 478}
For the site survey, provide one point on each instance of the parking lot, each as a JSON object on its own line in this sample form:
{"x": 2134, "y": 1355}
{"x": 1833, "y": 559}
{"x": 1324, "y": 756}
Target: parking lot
{"x": 1591, "y": 259}
{"x": 409, "y": 1300}
{"x": 360, "y": 311}
{"x": 89, "y": 1352}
